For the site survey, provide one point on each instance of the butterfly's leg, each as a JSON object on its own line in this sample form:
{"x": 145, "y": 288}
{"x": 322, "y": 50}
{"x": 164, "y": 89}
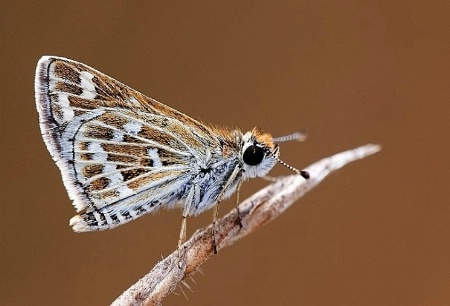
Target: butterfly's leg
{"x": 215, "y": 217}
{"x": 187, "y": 206}
{"x": 237, "y": 203}
{"x": 182, "y": 238}
{"x": 235, "y": 175}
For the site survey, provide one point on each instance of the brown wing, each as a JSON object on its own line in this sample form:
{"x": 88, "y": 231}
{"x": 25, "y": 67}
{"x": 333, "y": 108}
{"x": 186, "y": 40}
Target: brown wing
{"x": 109, "y": 140}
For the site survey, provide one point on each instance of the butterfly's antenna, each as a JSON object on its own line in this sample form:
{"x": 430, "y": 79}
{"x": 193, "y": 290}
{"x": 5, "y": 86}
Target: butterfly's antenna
{"x": 303, "y": 173}
{"x": 299, "y": 136}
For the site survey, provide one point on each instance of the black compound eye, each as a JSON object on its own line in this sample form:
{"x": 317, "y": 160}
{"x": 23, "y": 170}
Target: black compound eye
{"x": 253, "y": 155}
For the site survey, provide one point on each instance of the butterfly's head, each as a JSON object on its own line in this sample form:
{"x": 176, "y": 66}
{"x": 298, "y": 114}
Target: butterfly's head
{"x": 260, "y": 153}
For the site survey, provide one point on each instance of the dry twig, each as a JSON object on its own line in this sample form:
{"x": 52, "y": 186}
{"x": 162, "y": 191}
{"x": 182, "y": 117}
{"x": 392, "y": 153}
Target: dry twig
{"x": 256, "y": 211}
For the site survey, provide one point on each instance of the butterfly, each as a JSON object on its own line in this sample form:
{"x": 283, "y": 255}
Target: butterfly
{"x": 123, "y": 155}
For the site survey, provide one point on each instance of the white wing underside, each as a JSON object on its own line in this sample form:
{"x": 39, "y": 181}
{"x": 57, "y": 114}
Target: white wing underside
{"x": 121, "y": 154}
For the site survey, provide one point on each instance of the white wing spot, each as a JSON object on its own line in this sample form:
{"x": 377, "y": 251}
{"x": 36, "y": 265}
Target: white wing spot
{"x": 124, "y": 191}
{"x": 100, "y": 155}
{"x": 64, "y": 105}
{"x": 153, "y": 154}
{"x": 133, "y": 101}
{"x": 108, "y": 168}
{"x": 87, "y": 85}
{"x": 115, "y": 179}
{"x": 132, "y": 127}
{"x": 117, "y": 136}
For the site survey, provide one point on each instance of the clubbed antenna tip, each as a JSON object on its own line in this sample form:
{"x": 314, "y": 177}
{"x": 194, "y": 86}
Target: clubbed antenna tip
{"x": 303, "y": 173}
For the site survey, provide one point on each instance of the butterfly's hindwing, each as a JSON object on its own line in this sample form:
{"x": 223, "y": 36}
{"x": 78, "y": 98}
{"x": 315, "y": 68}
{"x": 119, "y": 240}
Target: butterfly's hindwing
{"x": 115, "y": 161}
{"x": 167, "y": 191}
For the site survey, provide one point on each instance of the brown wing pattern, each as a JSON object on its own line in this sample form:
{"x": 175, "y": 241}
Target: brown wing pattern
{"x": 110, "y": 141}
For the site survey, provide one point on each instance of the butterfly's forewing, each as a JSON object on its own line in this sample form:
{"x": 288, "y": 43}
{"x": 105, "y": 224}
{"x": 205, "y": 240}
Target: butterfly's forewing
{"x": 120, "y": 152}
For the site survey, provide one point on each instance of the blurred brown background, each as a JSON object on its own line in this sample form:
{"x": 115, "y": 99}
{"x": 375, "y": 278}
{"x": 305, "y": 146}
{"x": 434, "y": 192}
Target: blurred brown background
{"x": 354, "y": 72}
